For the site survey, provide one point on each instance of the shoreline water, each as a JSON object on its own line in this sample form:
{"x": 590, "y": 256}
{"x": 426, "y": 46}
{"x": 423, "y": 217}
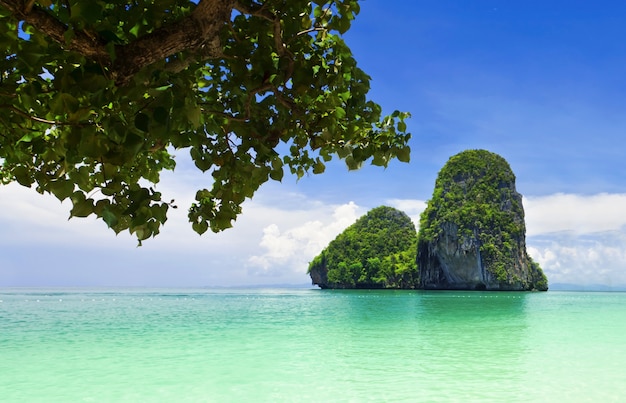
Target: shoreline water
{"x": 311, "y": 345}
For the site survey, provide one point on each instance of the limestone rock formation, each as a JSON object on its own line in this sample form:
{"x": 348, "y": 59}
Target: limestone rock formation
{"x": 377, "y": 251}
{"x": 472, "y": 234}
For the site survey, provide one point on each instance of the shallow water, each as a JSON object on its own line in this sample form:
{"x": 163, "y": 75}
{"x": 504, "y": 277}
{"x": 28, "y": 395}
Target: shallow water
{"x": 258, "y": 345}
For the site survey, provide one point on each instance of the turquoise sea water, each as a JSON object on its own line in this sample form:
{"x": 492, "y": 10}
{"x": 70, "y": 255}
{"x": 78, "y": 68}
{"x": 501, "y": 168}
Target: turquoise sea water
{"x": 301, "y": 345}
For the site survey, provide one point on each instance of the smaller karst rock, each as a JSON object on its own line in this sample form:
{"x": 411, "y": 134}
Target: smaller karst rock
{"x": 472, "y": 233}
{"x": 377, "y": 251}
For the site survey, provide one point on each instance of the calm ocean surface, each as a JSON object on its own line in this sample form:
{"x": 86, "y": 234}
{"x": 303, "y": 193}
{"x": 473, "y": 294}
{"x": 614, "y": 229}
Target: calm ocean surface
{"x": 301, "y": 345}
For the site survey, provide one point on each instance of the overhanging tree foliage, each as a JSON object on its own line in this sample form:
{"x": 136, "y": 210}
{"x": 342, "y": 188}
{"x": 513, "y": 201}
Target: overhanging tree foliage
{"x": 96, "y": 96}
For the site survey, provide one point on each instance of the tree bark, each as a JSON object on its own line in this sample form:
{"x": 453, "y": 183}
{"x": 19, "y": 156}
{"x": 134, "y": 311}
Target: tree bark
{"x": 199, "y": 32}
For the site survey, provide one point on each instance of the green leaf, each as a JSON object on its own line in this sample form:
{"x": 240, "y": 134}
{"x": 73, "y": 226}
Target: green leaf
{"x": 81, "y": 207}
{"x": 79, "y": 115}
{"x": 160, "y": 115}
{"x": 135, "y": 30}
{"x": 109, "y": 217}
{"x": 22, "y": 175}
{"x": 404, "y": 154}
{"x": 202, "y": 161}
{"x": 89, "y": 12}
{"x": 142, "y": 122}
{"x": 277, "y": 174}
{"x": 380, "y": 160}
{"x": 194, "y": 114}
{"x": 245, "y": 117}
{"x": 200, "y": 227}
{"x": 401, "y": 126}
{"x": 352, "y": 163}
{"x": 319, "y": 167}
{"x": 62, "y": 189}
{"x": 64, "y": 104}
{"x": 28, "y": 137}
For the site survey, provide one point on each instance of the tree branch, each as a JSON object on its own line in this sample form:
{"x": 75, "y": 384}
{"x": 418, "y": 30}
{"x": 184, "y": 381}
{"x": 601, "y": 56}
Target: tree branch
{"x": 37, "y": 119}
{"x": 29, "y": 6}
{"x": 256, "y": 10}
{"x": 48, "y": 24}
{"x": 199, "y": 32}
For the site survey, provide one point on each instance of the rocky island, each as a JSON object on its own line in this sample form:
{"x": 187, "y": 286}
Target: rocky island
{"x": 377, "y": 251}
{"x": 472, "y": 234}
{"x": 472, "y": 237}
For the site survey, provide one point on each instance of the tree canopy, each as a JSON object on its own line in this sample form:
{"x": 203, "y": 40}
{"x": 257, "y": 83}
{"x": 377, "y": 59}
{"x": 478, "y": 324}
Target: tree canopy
{"x": 96, "y": 97}
{"x": 377, "y": 251}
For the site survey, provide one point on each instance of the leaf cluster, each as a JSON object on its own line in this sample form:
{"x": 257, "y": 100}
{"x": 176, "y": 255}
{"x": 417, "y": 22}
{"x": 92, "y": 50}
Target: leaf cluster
{"x": 285, "y": 94}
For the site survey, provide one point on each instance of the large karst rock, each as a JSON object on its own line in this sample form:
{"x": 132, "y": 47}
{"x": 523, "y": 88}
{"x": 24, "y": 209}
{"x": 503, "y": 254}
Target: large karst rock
{"x": 472, "y": 234}
{"x": 377, "y": 251}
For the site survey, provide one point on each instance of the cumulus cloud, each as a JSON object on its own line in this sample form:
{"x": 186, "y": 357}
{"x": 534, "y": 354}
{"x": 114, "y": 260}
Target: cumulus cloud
{"x": 582, "y": 259}
{"x": 578, "y": 239}
{"x": 271, "y": 242}
{"x": 292, "y": 248}
{"x": 27, "y": 216}
{"x": 581, "y": 214}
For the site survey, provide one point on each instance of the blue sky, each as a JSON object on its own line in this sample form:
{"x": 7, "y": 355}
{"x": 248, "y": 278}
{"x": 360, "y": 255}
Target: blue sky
{"x": 541, "y": 83}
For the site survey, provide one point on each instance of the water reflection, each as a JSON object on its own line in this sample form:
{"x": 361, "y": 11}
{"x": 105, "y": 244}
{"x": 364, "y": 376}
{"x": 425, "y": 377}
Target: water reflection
{"x": 472, "y": 338}
{"x": 442, "y": 341}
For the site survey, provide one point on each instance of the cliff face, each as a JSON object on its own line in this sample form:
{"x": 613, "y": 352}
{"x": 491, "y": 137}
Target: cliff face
{"x": 377, "y": 251}
{"x": 472, "y": 233}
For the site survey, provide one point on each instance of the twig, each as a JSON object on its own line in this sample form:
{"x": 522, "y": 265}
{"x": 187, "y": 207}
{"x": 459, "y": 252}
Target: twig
{"x": 31, "y": 117}
{"x": 29, "y": 6}
{"x": 38, "y": 119}
{"x": 307, "y": 31}
{"x": 259, "y": 11}
{"x": 226, "y": 115}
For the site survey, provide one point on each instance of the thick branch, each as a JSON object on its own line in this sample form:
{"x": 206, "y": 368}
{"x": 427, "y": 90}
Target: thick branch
{"x": 48, "y": 24}
{"x": 199, "y": 32}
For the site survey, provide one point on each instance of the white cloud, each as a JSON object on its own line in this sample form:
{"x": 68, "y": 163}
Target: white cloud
{"x": 270, "y": 243}
{"x": 578, "y": 239}
{"x": 28, "y": 217}
{"x": 581, "y": 214}
{"x": 576, "y": 259}
{"x": 304, "y": 237}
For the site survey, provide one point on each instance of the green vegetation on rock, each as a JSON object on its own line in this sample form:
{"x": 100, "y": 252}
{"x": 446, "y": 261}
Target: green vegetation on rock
{"x": 476, "y": 215}
{"x": 472, "y": 190}
{"x": 377, "y": 251}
